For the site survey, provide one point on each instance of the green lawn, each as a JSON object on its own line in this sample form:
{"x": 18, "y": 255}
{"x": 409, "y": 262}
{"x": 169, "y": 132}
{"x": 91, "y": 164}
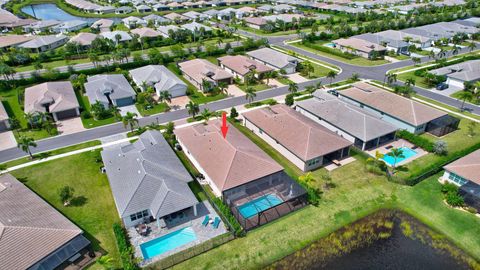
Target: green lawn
{"x": 471, "y": 100}
{"x": 357, "y": 194}
{"x": 97, "y": 213}
{"x": 157, "y": 108}
{"x": 90, "y": 122}
{"x": 359, "y": 61}
{"x": 419, "y": 81}
{"x": 50, "y": 153}
{"x": 13, "y": 107}
{"x": 257, "y": 87}
{"x": 53, "y": 64}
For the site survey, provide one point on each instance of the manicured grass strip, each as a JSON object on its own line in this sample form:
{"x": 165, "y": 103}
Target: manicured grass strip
{"x": 50, "y": 153}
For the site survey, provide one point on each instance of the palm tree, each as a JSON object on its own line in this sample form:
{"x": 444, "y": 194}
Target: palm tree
{"x": 331, "y": 74}
{"x": 354, "y": 77}
{"x": 395, "y": 153}
{"x": 106, "y": 262}
{"x": 14, "y": 124}
{"x": 250, "y": 94}
{"x": 193, "y": 108}
{"x": 268, "y": 75}
{"x": 410, "y": 82}
{"x": 130, "y": 119}
{"x": 416, "y": 60}
{"x": 472, "y": 46}
{"x": 165, "y": 96}
{"x": 442, "y": 53}
{"x": 25, "y": 143}
{"x": 318, "y": 85}
{"x": 455, "y": 50}
{"x": 293, "y": 87}
{"x": 432, "y": 55}
{"x": 464, "y": 96}
{"x": 306, "y": 178}
{"x": 205, "y": 115}
{"x": 310, "y": 89}
{"x": 223, "y": 86}
{"x": 391, "y": 78}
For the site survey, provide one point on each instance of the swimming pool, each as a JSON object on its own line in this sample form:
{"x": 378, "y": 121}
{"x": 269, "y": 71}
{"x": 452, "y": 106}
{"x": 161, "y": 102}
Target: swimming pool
{"x": 167, "y": 242}
{"x": 331, "y": 45}
{"x": 407, "y": 152}
{"x": 260, "y": 204}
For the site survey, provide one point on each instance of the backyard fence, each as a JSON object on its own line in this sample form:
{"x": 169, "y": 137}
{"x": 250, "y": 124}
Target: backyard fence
{"x": 192, "y": 252}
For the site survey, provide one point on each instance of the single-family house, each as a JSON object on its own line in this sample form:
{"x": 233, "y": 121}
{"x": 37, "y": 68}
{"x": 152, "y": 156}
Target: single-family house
{"x": 143, "y": 8}
{"x": 156, "y": 19}
{"x": 360, "y": 47}
{"x": 175, "y": 17}
{"x": 427, "y": 33}
{"x": 56, "y": 98}
{"x": 229, "y": 13}
{"x": 44, "y": 43}
{"x": 105, "y": 10}
{"x": 40, "y": 26}
{"x": 160, "y": 7}
{"x": 283, "y": 8}
{"x": 237, "y": 170}
{"x": 147, "y": 179}
{"x": 275, "y": 59}
{"x": 70, "y": 26}
{"x": 396, "y": 46}
{"x": 248, "y": 11}
{"x": 211, "y": 13}
{"x": 165, "y": 30}
{"x": 403, "y": 112}
{"x": 109, "y": 90}
{"x": 473, "y": 21}
{"x": 84, "y": 40}
{"x": 4, "y": 119}
{"x": 239, "y": 66}
{"x": 460, "y": 73}
{"x": 160, "y": 78}
{"x": 133, "y": 22}
{"x": 102, "y": 25}
{"x": 174, "y": 5}
{"x": 416, "y": 40}
{"x": 146, "y": 32}
{"x": 465, "y": 173}
{"x": 259, "y": 23}
{"x": 195, "y": 27}
{"x": 117, "y": 36}
{"x": 12, "y": 41}
{"x": 265, "y": 8}
{"x": 301, "y": 140}
{"x": 365, "y": 130}
{"x": 195, "y": 16}
{"x": 203, "y": 74}
{"x": 34, "y": 235}
{"x": 123, "y": 10}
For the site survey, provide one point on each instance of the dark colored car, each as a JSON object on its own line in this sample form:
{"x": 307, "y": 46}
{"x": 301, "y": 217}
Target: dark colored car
{"x": 442, "y": 86}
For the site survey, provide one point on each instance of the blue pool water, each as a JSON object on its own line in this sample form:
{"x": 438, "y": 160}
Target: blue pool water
{"x": 331, "y": 45}
{"x": 407, "y": 152}
{"x": 52, "y": 12}
{"x": 167, "y": 242}
{"x": 260, "y": 204}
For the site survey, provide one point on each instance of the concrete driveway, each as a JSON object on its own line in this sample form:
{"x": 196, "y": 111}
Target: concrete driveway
{"x": 179, "y": 103}
{"x": 274, "y": 83}
{"x": 234, "y": 91}
{"x": 69, "y": 126}
{"x": 131, "y": 108}
{"x": 7, "y": 140}
{"x": 297, "y": 78}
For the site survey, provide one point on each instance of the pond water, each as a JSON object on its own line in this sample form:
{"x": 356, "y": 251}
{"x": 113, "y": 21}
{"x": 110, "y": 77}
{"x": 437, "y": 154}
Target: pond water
{"x": 380, "y": 241}
{"x": 53, "y": 12}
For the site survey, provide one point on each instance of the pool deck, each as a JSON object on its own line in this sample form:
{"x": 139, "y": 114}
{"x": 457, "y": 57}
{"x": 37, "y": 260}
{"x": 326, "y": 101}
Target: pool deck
{"x": 384, "y": 149}
{"x": 203, "y": 233}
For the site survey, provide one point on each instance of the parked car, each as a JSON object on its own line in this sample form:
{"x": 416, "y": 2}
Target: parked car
{"x": 442, "y": 86}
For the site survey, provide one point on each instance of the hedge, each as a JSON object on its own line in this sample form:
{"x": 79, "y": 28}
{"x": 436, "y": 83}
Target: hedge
{"x": 227, "y": 213}
{"x": 419, "y": 141}
{"x": 126, "y": 252}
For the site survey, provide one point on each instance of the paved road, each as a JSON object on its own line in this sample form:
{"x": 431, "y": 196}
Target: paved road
{"x": 374, "y": 73}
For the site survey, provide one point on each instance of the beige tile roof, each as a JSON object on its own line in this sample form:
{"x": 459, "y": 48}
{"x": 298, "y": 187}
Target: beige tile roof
{"x": 229, "y": 162}
{"x": 299, "y": 134}
{"x": 467, "y": 167}
{"x": 243, "y": 65}
{"x": 60, "y": 95}
{"x": 30, "y": 229}
{"x": 175, "y": 16}
{"x": 146, "y": 32}
{"x": 11, "y": 40}
{"x": 199, "y": 69}
{"x": 256, "y": 21}
{"x": 359, "y": 44}
{"x": 405, "y": 109}
{"x": 84, "y": 39}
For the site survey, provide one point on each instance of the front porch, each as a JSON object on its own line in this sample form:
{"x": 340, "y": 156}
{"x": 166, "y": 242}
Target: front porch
{"x": 182, "y": 220}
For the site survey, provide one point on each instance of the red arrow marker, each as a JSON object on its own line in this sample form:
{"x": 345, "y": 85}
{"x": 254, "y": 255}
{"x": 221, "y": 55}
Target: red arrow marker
{"x": 224, "y": 125}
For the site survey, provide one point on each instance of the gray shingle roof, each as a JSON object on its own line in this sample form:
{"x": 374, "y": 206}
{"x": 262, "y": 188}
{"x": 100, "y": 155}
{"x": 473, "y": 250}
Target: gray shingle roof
{"x": 381, "y": 40}
{"x": 148, "y": 175}
{"x": 466, "y": 71}
{"x": 115, "y": 84}
{"x": 43, "y": 41}
{"x": 273, "y": 58}
{"x": 158, "y": 76}
{"x": 195, "y": 27}
{"x": 30, "y": 229}
{"x": 352, "y": 120}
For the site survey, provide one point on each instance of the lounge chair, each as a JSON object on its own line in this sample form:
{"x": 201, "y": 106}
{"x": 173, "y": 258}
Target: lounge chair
{"x": 216, "y": 222}
{"x": 206, "y": 220}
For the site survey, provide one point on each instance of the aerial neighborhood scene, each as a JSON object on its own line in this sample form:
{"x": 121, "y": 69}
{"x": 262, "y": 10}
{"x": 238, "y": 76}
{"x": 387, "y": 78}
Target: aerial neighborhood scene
{"x": 239, "y": 134}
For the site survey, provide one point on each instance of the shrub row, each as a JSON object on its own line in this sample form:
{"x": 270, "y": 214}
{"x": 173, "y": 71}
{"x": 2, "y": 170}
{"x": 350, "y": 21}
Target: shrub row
{"x": 416, "y": 140}
{"x": 227, "y": 213}
{"x": 126, "y": 251}
{"x": 325, "y": 49}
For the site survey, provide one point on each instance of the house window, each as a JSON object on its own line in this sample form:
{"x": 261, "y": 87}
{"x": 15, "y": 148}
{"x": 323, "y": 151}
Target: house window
{"x": 139, "y": 215}
{"x": 260, "y": 131}
{"x": 457, "y": 179}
